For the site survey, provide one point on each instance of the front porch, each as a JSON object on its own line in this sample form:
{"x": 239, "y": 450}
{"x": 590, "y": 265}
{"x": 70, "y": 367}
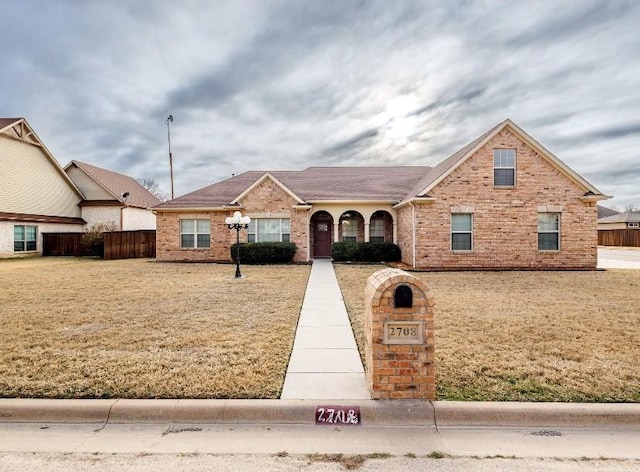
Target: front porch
{"x": 349, "y": 223}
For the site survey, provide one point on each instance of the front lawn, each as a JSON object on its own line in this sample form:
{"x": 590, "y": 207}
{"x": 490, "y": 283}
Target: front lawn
{"x": 539, "y": 336}
{"x": 77, "y": 328}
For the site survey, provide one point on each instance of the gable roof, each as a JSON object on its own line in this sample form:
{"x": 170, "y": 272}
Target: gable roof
{"x": 314, "y": 184}
{"x": 446, "y": 167}
{"x": 20, "y": 129}
{"x": 626, "y": 217}
{"x": 265, "y": 176}
{"x": 117, "y": 185}
{"x": 398, "y": 184}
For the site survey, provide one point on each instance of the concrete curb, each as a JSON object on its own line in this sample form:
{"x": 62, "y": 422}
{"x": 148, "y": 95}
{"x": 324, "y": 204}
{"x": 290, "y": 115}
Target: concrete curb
{"x": 536, "y": 414}
{"x": 373, "y": 413}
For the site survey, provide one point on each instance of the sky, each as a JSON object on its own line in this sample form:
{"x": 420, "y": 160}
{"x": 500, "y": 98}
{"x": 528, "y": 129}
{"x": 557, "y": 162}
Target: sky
{"x": 288, "y": 84}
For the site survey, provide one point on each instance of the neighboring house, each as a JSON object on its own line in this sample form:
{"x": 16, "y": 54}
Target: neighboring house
{"x": 503, "y": 201}
{"x": 604, "y": 211}
{"x": 36, "y": 195}
{"x": 626, "y": 220}
{"x": 112, "y": 199}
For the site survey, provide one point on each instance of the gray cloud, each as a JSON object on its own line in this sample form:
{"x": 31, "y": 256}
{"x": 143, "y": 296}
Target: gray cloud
{"x": 285, "y": 84}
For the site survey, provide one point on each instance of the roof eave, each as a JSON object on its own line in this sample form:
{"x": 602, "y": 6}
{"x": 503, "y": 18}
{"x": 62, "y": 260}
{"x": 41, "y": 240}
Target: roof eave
{"x": 595, "y": 198}
{"x": 352, "y": 201}
{"x": 414, "y": 200}
{"x": 191, "y": 209}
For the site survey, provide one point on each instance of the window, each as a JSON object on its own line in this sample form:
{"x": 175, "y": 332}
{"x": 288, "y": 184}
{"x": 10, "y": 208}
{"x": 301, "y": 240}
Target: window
{"x": 376, "y": 230}
{"x": 195, "y": 234}
{"x": 633, "y": 224}
{"x": 461, "y": 231}
{"x": 264, "y": 230}
{"x": 504, "y": 167}
{"x": 25, "y": 238}
{"x": 350, "y": 230}
{"x": 548, "y": 231}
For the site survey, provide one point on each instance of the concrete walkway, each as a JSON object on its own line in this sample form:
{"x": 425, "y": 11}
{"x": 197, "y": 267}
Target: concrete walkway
{"x": 325, "y": 363}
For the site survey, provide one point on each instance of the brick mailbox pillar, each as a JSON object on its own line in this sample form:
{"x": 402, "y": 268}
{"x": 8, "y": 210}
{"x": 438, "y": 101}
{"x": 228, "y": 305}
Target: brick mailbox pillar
{"x": 399, "y": 346}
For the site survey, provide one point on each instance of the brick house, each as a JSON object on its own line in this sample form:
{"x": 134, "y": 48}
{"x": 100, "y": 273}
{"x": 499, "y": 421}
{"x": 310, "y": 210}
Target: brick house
{"x": 503, "y": 201}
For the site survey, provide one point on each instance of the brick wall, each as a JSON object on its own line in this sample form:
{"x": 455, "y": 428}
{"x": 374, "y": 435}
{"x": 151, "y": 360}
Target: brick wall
{"x": 398, "y": 371}
{"x": 505, "y": 219}
{"x": 267, "y": 199}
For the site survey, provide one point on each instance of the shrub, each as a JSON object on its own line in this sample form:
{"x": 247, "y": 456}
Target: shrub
{"x": 365, "y": 252}
{"x": 93, "y": 239}
{"x": 264, "y": 253}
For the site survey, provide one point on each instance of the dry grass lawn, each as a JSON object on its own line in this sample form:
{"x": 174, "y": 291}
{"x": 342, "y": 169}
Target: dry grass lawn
{"x": 77, "y": 328}
{"x": 539, "y": 336}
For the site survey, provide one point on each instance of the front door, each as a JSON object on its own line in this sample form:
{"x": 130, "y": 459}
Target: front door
{"x": 322, "y": 238}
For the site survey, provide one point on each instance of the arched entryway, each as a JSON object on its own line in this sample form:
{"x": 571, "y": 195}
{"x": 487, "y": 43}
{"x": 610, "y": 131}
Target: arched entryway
{"x": 320, "y": 232}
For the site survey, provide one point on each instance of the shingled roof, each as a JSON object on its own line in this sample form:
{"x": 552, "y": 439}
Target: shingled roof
{"x": 117, "y": 185}
{"x": 626, "y": 217}
{"x": 312, "y": 185}
{"x": 394, "y": 184}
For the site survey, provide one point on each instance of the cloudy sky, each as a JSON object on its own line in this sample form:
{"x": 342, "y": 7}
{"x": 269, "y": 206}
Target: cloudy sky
{"x": 286, "y": 84}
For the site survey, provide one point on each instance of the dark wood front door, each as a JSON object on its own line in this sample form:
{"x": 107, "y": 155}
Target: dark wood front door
{"x": 322, "y": 238}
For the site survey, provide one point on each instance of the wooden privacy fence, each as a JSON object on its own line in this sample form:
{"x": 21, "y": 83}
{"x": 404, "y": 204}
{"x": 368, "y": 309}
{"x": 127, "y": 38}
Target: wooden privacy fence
{"x": 619, "y": 237}
{"x": 129, "y": 244}
{"x": 62, "y": 244}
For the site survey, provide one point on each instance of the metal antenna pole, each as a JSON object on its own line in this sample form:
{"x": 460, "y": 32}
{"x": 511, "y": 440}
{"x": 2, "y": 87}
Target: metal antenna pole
{"x": 169, "y": 121}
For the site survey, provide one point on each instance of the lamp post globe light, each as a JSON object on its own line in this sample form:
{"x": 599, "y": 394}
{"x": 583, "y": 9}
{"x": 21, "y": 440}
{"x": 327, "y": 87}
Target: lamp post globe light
{"x": 237, "y": 222}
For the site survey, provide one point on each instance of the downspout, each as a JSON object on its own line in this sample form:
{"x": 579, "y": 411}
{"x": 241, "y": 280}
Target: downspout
{"x": 413, "y": 231}
{"x": 309, "y": 235}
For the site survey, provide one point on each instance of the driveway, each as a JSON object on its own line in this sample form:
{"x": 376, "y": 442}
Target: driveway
{"x": 618, "y": 257}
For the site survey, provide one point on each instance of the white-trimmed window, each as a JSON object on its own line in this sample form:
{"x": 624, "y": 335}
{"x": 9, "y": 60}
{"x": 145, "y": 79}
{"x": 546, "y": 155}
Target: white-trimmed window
{"x": 269, "y": 230}
{"x": 548, "y": 231}
{"x": 25, "y": 238}
{"x": 461, "y": 231}
{"x": 504, "y": 167}
{"x": 376, "y": 230}
{"x": 350, "y": 230}
{"x": 195, "y": 234}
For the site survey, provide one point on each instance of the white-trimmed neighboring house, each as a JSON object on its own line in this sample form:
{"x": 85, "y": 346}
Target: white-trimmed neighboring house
{"x": 36, "y": 194}
{"x": 112, "y": 199}
{"x": 626, "y": 220}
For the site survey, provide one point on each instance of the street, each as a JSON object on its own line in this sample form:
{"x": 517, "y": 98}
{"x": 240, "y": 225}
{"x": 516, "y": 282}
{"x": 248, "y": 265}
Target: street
{"x": 170, "y": 447}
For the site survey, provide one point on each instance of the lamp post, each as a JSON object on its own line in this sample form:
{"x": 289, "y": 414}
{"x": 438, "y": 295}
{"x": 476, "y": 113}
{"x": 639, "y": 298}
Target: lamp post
{"x": 237, "y": 222}
{"x": 169, "y": 121}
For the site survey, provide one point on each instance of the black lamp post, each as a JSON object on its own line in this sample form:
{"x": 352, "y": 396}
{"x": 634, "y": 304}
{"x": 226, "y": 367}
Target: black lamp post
{"x": 238, "y": 222}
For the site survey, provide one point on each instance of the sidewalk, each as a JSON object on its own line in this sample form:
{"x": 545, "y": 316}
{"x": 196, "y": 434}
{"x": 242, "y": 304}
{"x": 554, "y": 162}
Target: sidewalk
{"x": 325, "y": 363}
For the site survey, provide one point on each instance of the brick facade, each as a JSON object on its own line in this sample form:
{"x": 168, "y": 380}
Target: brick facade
{"x": 267, "y": 200}
{"x": 505, "y": 227}
{"x": 505, "y": 219}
